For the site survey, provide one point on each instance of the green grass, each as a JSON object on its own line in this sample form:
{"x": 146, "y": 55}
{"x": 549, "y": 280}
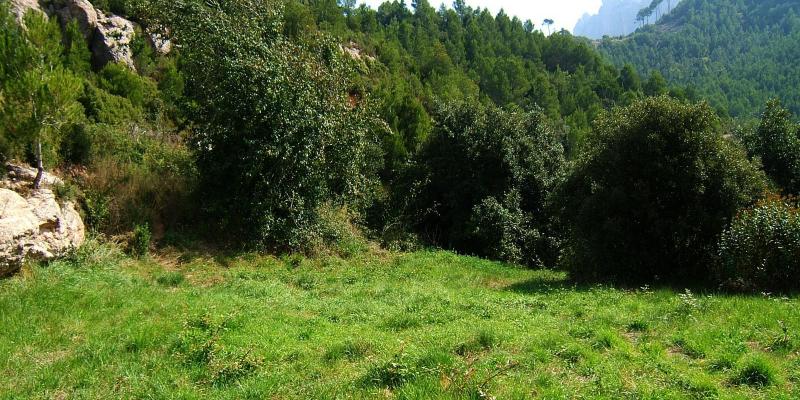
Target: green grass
{"x": 416, "y": 325}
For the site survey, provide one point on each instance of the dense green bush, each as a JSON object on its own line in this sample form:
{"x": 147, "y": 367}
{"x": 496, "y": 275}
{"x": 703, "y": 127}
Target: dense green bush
{"x": 655, "y": 187}
{"x": 106, "y": 108}
{"x": 142, "y": 92}
{"x": 776, "y": 142}
{"x": 482, "y": 182}
{"x": 275, "y": 134}
{"x": 760, "y": 251}
{"x": 113, "y": 124}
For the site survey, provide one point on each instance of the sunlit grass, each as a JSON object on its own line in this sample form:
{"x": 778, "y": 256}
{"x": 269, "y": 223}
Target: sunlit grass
{"x": 418, "y": 325}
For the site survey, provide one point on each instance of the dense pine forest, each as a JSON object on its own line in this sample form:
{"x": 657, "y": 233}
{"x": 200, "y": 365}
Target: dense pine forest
{"x": 318, "y": 199}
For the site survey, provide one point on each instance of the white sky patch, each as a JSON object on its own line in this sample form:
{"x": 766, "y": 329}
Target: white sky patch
{"x": 564, "y": 13}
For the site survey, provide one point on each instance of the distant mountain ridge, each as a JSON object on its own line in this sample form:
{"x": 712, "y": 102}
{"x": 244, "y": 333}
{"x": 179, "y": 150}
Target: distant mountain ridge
{"x": 736, "y": 53}
{"x": 617, "y": 18}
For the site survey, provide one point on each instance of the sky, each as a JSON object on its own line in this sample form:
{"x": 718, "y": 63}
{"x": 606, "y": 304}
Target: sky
{"x": 564, "y": 13}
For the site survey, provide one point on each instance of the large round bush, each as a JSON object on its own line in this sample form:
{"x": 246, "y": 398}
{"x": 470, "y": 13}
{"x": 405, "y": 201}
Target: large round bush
{"x": 761, "y": 248}
{"x": 656, "y": 185}
{"x": 483, "y": 180}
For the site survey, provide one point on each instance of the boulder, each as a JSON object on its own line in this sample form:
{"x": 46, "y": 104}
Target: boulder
{"x": 33, "y": 223}
{"x": 36, "y": 227}
{"x": 159, "y": 40}
{"x": 81, "y": 11}
{"x": 109, "y": 35}
{"x": 112, "y": 39}
{"x": 354, "y": 51}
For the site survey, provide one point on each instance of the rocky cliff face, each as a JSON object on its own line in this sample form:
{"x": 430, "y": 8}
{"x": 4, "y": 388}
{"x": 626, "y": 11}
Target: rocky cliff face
{"x": 33, "y": 223}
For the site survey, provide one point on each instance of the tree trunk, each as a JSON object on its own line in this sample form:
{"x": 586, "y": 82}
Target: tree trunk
{"x": 39, "y": 167}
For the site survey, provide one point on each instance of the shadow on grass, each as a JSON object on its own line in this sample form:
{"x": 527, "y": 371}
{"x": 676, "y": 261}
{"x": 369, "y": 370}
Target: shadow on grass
{"x": 191, "y": 245}
{"x": 547, "y": 283}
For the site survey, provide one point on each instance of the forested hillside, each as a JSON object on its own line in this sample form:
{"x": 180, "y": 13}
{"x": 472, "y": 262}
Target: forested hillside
{"x": 736, "y": 53}
{"x": 414, "y": 126}
{"x": 426, "y": 55}
{"x": 145, "y": 134}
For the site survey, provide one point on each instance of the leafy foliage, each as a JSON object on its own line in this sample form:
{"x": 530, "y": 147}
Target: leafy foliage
{"x": 484, "y": 180}
{"x": 39, "y": 95}
{"x": 140, "y": 241}
{"x": 761, "y": 249}
{"x": 115, "y": 124}
{"x": 658, "y": 183}
{"x": 776, "y": 142}
{"x": 275, "y": 134}
{"x": 142, "y": 92}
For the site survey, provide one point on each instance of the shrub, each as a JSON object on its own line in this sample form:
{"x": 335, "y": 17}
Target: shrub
{"x": 96, "y": 206}
{"x": 170, "y": 278}
{"x": 653, "y": 190}
{"x": 275, "y": 135}
{"x": 506, "y": 231}
{"x": 761, "y": 248}
{"x": 135, "y": 176}
{"x": 482, "y": 183}
{"x": 776, "y": 142}
{"x": 140, "y": 242}
{"x": 755, "y": 371}
{"x": 338, "y": 231}
{"x": 104, "y": 107}
{"x": 142, "y": 92}
{"x": 76, "y": 145}
{"x": 66, "y": 191}
{"x": 39, "y": 96}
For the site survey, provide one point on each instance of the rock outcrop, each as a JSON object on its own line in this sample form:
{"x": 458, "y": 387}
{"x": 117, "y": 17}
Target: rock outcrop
{"x": 81, "y": 11}
{"x": 109, "y": 36}
{"x": 19, "y": 177}
{"x": 354, "y": 51}
{"x": 112, "y": 39}
{"x": 159, "y": 40}
{"x": 20, "y": 7}
{"x": 34, "y": 225}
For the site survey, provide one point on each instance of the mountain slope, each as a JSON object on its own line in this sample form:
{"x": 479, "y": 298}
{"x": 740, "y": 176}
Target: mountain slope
{"x": 616, "y": 18}
{"x": 736, "y": 53}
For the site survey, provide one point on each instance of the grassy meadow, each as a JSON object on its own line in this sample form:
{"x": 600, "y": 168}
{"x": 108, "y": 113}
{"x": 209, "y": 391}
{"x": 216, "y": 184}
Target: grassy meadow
{"x": 429, "y": 324}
